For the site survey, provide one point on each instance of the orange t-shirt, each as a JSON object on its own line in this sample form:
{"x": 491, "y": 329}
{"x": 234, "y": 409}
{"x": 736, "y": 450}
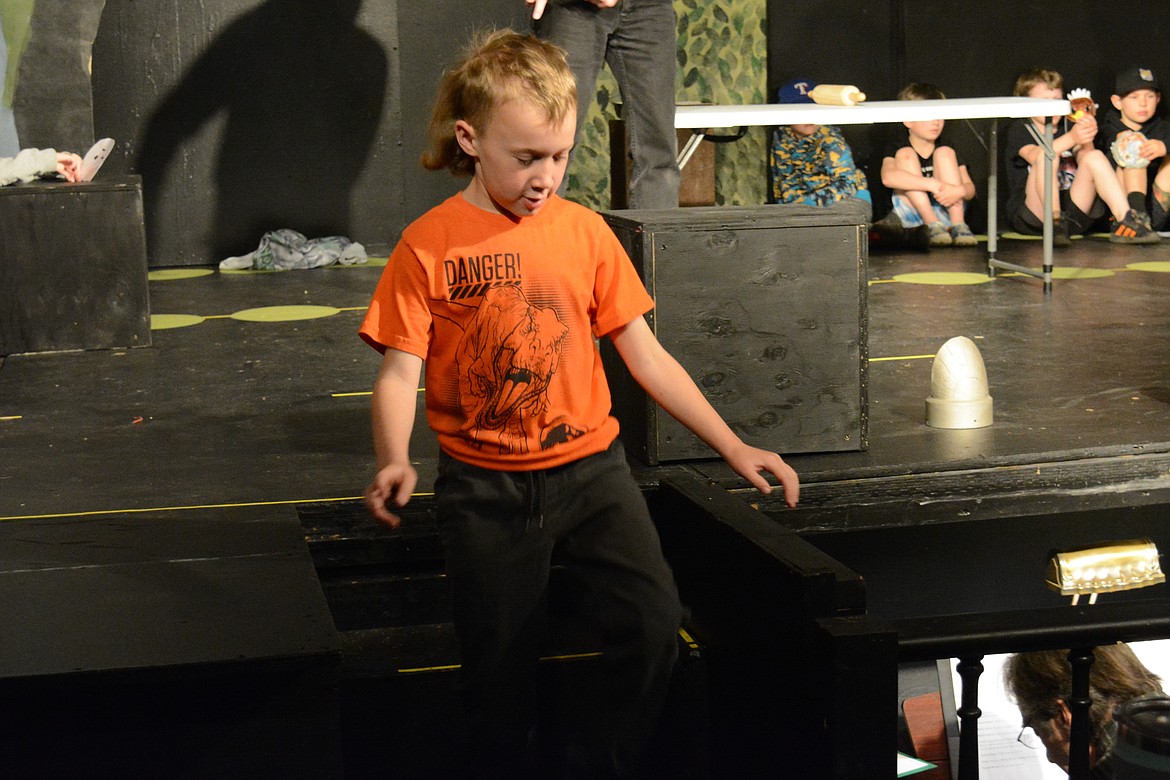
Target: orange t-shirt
{"x": 506, "y": 314}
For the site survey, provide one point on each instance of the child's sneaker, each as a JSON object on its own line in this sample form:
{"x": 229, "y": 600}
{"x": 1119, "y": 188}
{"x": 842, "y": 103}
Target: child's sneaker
{"x": 1133, "y": 230}
{"x": 961, "y": 235}
{"x": 939, "y": 235}
{"x": 1061, "y": 232}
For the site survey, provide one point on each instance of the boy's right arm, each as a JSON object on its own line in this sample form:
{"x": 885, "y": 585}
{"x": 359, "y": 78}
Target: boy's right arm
{"x": 1082, "y": 133}
{"x": 393, "y": 410}
{"x": 668, "y": 383}
{"x": 896, "y": 178}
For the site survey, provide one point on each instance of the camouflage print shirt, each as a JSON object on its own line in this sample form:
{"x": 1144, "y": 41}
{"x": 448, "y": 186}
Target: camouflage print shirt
{"x": 816, "y": 169}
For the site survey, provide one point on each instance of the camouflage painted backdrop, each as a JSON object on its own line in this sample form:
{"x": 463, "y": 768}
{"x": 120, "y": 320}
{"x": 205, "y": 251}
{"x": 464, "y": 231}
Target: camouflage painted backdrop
{"x": 722, "y": 58}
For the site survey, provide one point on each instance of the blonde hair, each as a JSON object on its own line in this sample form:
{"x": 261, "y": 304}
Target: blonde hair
{"x": 498, "y": 66}
{"x": 1031, "y": 78}
{"x": 920, "y": 91}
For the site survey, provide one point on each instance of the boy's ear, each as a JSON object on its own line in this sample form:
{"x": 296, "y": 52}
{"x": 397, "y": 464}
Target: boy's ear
{"x": 465, "y": 137}
{"x": 1116, "y": 101}
{"x": 1064, "y": 720}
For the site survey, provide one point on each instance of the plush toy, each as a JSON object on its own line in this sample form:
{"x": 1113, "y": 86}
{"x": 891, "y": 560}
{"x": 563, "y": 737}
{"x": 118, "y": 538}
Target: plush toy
{"x": 1126, "y": 149}
{"x": 1081, "y": 103}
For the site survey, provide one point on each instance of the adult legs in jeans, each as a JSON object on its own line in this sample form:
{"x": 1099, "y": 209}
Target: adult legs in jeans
{"x": 637, "y": 39}
{"x": 502, "y": 532}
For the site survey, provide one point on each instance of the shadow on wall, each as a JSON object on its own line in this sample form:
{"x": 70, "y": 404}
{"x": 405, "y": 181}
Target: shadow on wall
{"x": 299, "y": 88}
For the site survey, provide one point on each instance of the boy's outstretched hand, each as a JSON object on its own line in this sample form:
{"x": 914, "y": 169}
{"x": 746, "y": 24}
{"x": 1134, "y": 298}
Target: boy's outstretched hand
{"x": 69, "y": 165}
{"x": 750, "y": 461}
{"x": 392, "y": 486}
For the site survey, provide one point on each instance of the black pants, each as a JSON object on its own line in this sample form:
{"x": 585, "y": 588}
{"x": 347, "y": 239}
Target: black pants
{"x": 503, "y": 532}
{"x": 1027, "y": 223}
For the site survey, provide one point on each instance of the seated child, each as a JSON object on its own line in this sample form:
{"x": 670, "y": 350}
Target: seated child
{"x": 1083, "y": 179}
{"x": 1136, "y": 140}
{"x": 812, "y": 164}
{"x": 929, "y": 185}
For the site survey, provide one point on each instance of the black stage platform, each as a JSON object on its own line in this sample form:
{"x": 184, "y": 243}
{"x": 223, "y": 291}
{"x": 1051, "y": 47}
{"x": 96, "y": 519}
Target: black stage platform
{"x": 231, "y": 411}
{"x": 251, "y": 406}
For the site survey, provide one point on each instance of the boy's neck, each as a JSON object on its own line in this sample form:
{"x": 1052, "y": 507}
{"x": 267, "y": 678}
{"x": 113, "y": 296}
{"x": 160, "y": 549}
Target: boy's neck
{"x": 1132, "y": 125}
{"x": 924, "y": 147}
{"x": 475, "y": 195}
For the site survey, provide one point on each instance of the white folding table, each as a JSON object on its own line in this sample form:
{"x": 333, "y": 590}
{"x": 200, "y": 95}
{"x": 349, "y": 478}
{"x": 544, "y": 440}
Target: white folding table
{"x": 703, "y": 118}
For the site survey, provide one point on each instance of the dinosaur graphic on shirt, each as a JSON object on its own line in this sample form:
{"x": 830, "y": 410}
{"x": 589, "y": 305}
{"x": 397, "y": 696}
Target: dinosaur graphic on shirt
{"x": 509, "y": 353}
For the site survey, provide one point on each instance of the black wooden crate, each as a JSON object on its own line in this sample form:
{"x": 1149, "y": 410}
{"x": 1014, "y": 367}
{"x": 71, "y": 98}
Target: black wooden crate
{"x": 73, "y": 266}
{"x": 765, "y": 307}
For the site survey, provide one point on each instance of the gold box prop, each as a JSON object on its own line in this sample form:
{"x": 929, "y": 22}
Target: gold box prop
{"x": 1106, "y": 568}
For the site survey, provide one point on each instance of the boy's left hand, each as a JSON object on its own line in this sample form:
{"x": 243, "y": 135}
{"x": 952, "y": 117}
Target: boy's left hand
{"x": 949, "y": 194}
{"x": 1152, "y": 149}
{"x": 749, "y": 462}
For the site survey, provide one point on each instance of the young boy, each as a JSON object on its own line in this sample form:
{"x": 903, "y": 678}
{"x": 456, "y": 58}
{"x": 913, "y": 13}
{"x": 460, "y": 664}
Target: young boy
{"x": 812, "y": 164}
{"x": 1085, "y": 186}
{"x": 1136, "y": 140}
{"x": 501, "y": 290}
{"x": 929, "y": 185}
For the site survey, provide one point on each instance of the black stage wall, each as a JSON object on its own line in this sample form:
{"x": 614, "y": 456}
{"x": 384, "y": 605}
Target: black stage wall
{"x": 244, "y": 115}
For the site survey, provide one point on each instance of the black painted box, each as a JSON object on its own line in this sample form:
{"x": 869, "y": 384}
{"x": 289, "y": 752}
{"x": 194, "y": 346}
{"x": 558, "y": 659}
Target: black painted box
{"x": 765, "y": 307}
{"x": 73, "y": 266}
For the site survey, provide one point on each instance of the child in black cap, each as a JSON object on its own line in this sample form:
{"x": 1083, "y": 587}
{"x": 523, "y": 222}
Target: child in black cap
{"x": 1136, "y": 139}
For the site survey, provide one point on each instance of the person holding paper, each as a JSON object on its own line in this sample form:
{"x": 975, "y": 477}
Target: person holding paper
{"x": 1041, "y": 684}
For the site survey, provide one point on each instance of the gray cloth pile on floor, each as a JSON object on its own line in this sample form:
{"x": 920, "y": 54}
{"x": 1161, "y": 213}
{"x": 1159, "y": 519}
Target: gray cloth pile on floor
{"x": 285, "y": 250}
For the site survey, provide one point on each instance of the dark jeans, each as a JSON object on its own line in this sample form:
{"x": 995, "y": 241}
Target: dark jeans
{"x": 636, "y": 38}
{"x": 502, "y": 533}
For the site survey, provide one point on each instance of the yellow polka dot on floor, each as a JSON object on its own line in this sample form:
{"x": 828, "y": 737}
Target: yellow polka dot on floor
{"x": 284, "y": 313}
{"x": 169, "y": 321}
{"x": 1153, "y": 266}
{"x": 171, "y": 274}
{"x": 942, "y": 278}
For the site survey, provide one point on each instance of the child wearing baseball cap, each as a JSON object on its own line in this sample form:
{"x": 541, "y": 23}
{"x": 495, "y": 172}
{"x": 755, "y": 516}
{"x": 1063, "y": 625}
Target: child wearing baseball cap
{"x": 812, "y": 164}
{"x": 1085, "y": 185}
{"x": 1136, "y": 139}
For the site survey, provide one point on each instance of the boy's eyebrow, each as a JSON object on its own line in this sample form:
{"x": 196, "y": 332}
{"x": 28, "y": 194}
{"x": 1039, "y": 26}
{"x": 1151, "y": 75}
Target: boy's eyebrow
{"x": 543, "y": 152}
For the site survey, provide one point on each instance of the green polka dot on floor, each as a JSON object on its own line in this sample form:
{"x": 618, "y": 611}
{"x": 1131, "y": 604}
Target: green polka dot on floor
{"x": 169, "y": 321}
{"x": 171, "y": 274}
{"x": 942, "y": 277}
{"x": 284, "y": 313}
{"x": 1153, "y": 266}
